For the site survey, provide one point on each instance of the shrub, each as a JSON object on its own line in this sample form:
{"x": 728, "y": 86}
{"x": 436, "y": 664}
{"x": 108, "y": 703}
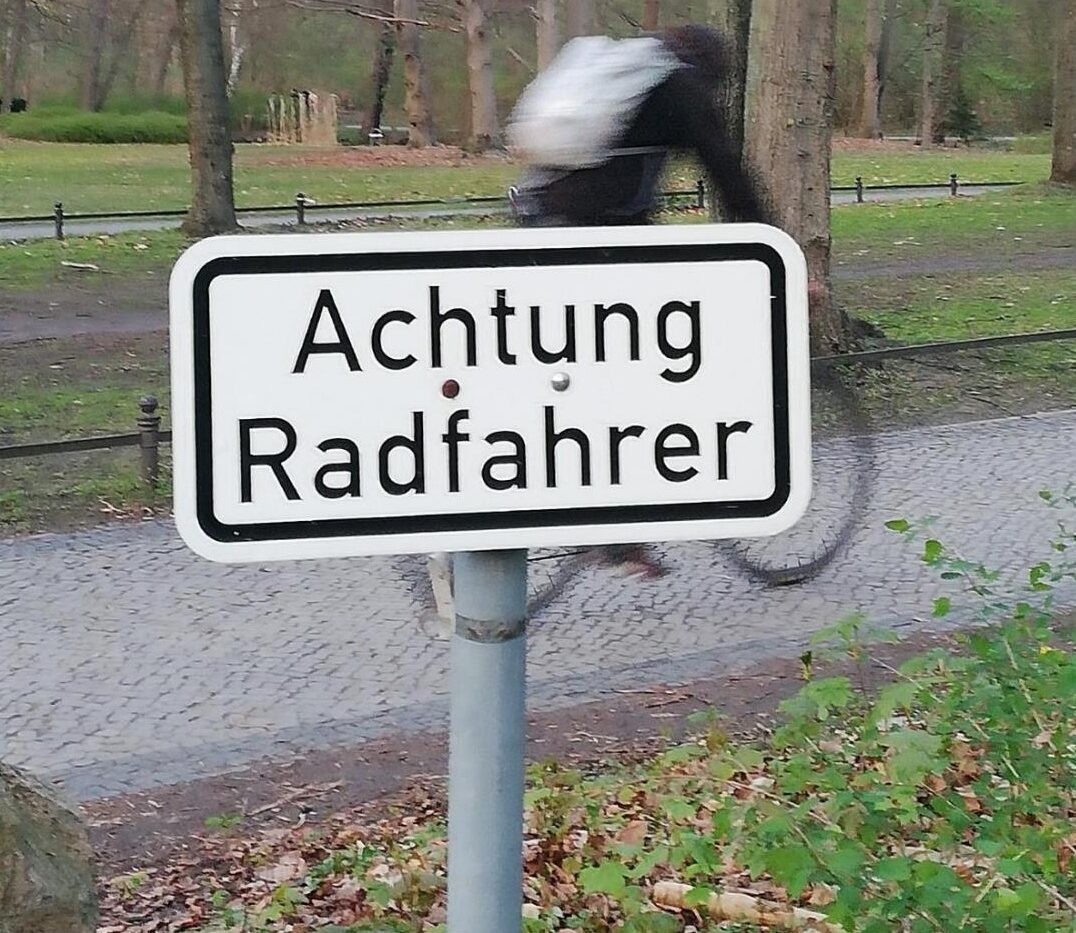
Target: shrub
{"x": 83, "y": 127}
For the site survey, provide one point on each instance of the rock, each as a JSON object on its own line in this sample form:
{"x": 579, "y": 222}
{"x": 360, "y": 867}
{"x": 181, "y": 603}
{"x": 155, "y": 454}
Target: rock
{"x": 46, "y": 864}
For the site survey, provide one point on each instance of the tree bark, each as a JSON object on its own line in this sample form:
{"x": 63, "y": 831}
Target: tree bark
{"x": 120, "y": 45}
{"x": 548, "y": 33}
{"x": 97, "y": 31}
{"x": 790, "y": 140}
{"x": 652, "y": 15}
{"x": 738, "y": 30}
{"x": 1063, "y": 169}
{"x": 951, "y": 72}
{"x": 484, "y": 132}
{"x": 209, "y": 129}
{"x": 13, "y": 35}
{"x": 580, "y": 18}
{"x": 933, "y": 50}
{"x": 386, "y": 51}
{"x": 167, "y": 50}
{"x": 868, "y": 125}
{"x": 237, "y": 49}
{"x": 885, "y": 52}
{"x": 416, "y": 94}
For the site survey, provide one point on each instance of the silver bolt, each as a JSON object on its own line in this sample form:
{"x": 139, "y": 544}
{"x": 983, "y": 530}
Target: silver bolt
{"x": 560, "y": 382}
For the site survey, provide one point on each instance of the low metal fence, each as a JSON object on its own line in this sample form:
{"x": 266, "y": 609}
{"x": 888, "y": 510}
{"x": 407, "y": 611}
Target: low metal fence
{"x": 302, "y": 204}
{"x": 149, "y": 436}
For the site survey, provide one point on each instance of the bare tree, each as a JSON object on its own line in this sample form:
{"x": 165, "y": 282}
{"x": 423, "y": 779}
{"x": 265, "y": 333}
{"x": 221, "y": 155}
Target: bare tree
{"x": 652, "y": 15}
{"x": 416, "y": 94}
{"x": 579, "y": 20}
{"x": 209, "y": 130}
{"x": 484, "y": 131}
{"x": 1063, "y": 169}
{"x": 545, "y": 13}
{"x": 110, "y": 30}
{"x": 869, "y": 126}
{"x": 789, "y": 144}
{"x": 933, "y": 57}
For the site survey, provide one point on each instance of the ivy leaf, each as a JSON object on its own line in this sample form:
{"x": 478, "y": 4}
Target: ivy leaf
{"x": 899, "y": 525}
{"x": 697, "y": 897}
{"x": 914, "y": 753}
{"x": 791, "y": 866}
{"x": 652, "y": 923}
{"x": 942, "y": 605}
{"x": 606, "y": 878}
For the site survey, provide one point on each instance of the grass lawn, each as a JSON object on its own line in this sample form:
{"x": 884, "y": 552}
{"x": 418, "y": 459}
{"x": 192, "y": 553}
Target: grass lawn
{"x": 59, "y": 388}
{"x": 33, "y": 176}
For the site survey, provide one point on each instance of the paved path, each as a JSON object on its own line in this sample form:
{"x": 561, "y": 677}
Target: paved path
{"x": 42, "y": 230}
{"x": 126, "y": 662}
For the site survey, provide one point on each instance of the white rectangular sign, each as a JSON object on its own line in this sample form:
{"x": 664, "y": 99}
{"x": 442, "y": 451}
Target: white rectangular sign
{"x": 369, "y": 393}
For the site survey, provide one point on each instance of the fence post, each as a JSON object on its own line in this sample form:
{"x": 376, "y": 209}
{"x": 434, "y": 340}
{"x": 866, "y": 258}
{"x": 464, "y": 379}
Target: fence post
{"x": 859, "y": 189}
{"x": 700, "y": 194}
{"x": 149, "y": 429}
{"x": 300, "y": 207}
{"x": 953, "y": 184}
{"x": 58, "y": 217}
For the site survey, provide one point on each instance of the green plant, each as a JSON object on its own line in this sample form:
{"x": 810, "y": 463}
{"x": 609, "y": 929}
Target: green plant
{"x": 223, "y": 821}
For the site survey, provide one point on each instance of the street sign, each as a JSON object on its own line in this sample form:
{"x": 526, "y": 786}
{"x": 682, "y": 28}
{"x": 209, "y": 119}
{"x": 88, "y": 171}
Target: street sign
{"x": 368, "y": 393}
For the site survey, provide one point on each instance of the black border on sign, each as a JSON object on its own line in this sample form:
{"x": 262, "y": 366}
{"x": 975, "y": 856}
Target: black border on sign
{"x": 502, "y": 519}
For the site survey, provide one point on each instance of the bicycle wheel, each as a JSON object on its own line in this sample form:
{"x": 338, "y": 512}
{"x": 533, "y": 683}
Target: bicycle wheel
{"x": 843, "y": 467}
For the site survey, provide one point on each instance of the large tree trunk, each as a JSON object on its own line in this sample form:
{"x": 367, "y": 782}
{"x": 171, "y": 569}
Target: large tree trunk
{"x": 202, "y": 51}
{"x": 933, "y": 51}
{"x": 548, "y": 34}
{"x": 1064, "y": 160}
{"x": 484, "y": 132}
{"x": 416, "y": 95}
{"x": 13, "y": 29}
{"x": 579, "y": 20}
{"x": 120, "y": 46}
{"x": 868, "y": 125}
{"x": 951, "y": 72}
{"x": 164, "y": 61}
{"x": 652, "y": 15}
{"x": 789, "y": 143}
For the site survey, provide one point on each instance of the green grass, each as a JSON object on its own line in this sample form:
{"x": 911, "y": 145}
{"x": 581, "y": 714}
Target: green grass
{"x": 34, "y": 263}
{"x": 1006, "y": 222}
{"x": 33, "y": 176}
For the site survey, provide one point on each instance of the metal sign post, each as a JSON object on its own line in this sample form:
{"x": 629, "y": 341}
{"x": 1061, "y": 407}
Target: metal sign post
{"x": 486, "y": 743}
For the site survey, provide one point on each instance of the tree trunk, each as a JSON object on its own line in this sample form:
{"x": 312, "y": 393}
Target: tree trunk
{"x": 868, "y": 125}
{"x": 1064, "y": 161}
{"x": 652, "y": 15}
{"x": 885, "y": 52}
{"x": 97, "y": 32}
{"x": 416, "y": 95}
{"x": 791, "y": 119}
{"x": 237, "y": 49}
{"x": 952, "y": 64}
{"x": 738, "y": 30}
{"x": 379, "y": 82}
{"x": 209, "y": 129}
{"x": 580, "y": 18}
{"x": 548, "y": 34}
{"x": 484, "y": 133}
{"x": 14, "y": 39}
{"x": 167, "y": 50}
{"x": 933, "y": 49}
{"x": 120, "y": 45}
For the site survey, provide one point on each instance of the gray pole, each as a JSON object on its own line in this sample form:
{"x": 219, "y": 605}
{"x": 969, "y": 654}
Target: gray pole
{"x": 485, "y": 764}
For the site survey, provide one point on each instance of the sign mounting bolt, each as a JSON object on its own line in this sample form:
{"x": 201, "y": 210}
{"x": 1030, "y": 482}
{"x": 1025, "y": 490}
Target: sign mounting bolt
{"x": 560, "y": 382}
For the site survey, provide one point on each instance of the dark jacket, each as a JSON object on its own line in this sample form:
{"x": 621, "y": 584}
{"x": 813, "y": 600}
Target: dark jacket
{"x": 679, "y": 114}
